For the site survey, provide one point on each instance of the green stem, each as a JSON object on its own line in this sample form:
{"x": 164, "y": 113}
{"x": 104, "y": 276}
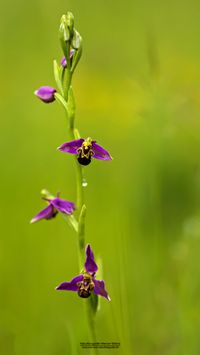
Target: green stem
{"x": 81, "y": 208}
{"x": 80, "y": 192}
{"x": 91, "y": 322}
{"x": 67, "y": 82}
{"x": 72, "y": 133}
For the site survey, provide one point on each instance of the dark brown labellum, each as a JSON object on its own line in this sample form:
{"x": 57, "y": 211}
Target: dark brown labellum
{"x": 84, "y": 293}
{"x": 86, "y": 286}
{"x": 84, "y": 160}
{"x": 85, "y": 153}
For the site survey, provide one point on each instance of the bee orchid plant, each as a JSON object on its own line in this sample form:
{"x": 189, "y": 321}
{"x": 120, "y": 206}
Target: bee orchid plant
{"x": 85, "y": 149}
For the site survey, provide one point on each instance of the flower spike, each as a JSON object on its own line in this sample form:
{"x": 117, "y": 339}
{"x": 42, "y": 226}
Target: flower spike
{"x": 85, "y": 284}
{"x": 85, "y": 149}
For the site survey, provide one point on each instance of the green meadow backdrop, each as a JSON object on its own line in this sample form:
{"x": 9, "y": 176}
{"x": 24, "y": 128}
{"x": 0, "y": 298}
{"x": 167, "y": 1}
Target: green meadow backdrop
{"x": 137, "y": 91}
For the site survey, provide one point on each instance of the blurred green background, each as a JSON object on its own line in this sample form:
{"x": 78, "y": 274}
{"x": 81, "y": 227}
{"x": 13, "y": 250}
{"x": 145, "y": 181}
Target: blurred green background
{"x": 137, "y": 92}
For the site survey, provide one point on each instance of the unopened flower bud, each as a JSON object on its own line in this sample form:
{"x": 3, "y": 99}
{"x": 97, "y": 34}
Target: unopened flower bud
{"x": 63, "y": 61}
{"x": 46, "y": 93}
{"x": 69, "y": 18}
{"x": 76, "y": 40}
{"x": 66, "y": 31}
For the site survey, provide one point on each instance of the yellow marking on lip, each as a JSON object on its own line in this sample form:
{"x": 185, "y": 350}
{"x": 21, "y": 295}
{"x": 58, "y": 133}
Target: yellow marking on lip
{"x": 86, "y": 144}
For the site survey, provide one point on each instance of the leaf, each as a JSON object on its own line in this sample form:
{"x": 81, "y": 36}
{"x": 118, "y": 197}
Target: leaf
{"x": 71, "y": 104}
{"x": 61, "y": 101}
{"x": 81, "y": 226}
{"x": 76, "y": 134}
{"x": 57, "y": 75}
{"x": 76, "y": 57}
{"x": 81, "y": 223}
{"x": 71, "y": 220}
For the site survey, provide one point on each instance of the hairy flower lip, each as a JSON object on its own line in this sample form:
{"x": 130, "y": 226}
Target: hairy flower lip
{"x": 55, "y": 205}
{"x": 87, "y": 277}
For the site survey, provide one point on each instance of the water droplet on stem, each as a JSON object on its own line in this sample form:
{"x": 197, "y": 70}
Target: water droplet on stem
{"x": 84, "y": 183}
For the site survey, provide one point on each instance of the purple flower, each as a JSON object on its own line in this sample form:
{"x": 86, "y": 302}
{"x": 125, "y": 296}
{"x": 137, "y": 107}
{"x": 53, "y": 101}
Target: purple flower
{"x": 86, "y": 283}
{"x": 55, "y": 205}
{"x": 86, "y": 149}
{"x": 46, "y": 94}
{"x": 63, "y": 61}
